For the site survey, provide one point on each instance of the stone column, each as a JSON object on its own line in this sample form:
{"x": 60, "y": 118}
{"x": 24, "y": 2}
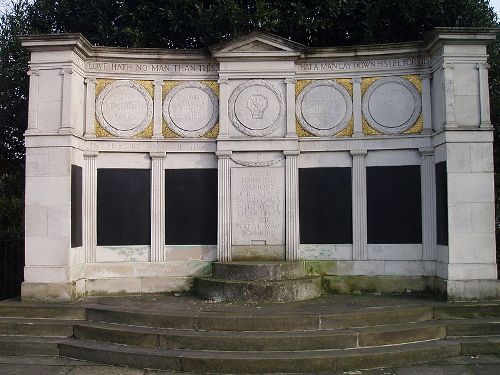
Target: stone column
{"x": 157, "y": 206}
{"x": 33, "y": 102}
{"x": 90, "y": 205}
{"x": 66, "y": 126}
{"x": 449, "y": 95}
{"x": 90, "y": 108}
{"x": 291, "y": 132}
{"x": 356, "y": 107}
{"x": 484, "y": 95}
{"x": 426, "y": 103}
{"x": 157, "y": 118}
{"x": 428, "y": 187}
{"x": 292, "y": 206}
{"x": 224, "y": 92}
{"x": 359, "y": 219}
{"x": 224, "y": 240}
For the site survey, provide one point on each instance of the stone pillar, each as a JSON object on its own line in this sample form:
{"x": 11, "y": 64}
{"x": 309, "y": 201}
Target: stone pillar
{"x": 449, "y": 96}
{"x": 90, "y": 205}
{"x": 359, "y": 218}
{"x": 291, "y": 132}
{"x": 34, "y": 75}
{"x": 157, "y": 206}
{"x": 426, "y": 103}
{"x": 66, "y": 126}
{"x": 224, "y": 92}
{"x": 90, "y": 108}
{"x": 428, "y": 187}
{"x": 484, "y": 95}
{"x": 224, "y": 240}
{"x": 157, "y": 107}
{"x": 356, "y": 107}
{"x": 292, "y": 206}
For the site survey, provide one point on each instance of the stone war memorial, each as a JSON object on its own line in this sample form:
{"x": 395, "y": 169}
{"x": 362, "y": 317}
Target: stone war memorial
{"x": 325, "y": 170}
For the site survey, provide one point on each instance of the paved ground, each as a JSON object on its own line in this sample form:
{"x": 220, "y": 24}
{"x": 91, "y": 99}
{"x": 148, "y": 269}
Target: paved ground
{"x": 188, "y": 304}
{"x": 45, "y": 365}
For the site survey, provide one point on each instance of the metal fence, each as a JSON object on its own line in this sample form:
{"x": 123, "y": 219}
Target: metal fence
{"x": 11, "y": 267}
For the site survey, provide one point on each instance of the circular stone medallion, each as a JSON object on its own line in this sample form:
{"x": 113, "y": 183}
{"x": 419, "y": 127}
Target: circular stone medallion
{"x": 391, "y": 105}
{"x": 324, "y": 108}
{"x": 124, "y": 108}
{"x": 191, "y": 109}
{"x": 256, "y": 108}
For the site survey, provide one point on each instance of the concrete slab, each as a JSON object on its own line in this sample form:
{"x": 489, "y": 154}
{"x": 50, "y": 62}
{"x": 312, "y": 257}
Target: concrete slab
{"x": 435, "y": 370}
{"x": 485, "y": 369}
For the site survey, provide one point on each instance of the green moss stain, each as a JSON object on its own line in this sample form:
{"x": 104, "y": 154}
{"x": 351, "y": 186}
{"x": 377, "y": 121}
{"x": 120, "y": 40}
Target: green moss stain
{"x": 321, "y": 267}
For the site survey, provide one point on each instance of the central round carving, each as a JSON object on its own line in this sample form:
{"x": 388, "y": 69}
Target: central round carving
{"x": 324, "y": 108}
{"x": 124, "y": 108}
{"x": 191, "y": 109}
{"x": 256, "y": 108}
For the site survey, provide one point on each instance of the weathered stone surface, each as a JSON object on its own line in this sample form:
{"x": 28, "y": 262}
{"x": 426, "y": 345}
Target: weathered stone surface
{"x": 298, "y": 289}
{"x": 258, "y": 271}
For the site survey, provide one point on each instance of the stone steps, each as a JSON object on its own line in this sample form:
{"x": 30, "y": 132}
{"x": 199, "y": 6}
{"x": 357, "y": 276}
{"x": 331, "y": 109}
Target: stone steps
{"x": 260, "y": 362}
{"x": 258, "y": 270}
{"x": 36, "y": 327}
{"x": 38, "y": 311}
{"x": 221, "y": 321}
{"x": 30, "y": 345}
{"x": 275, "y": 291}
{"x": 237, "y": 339}
{"x": 259, "y": 340}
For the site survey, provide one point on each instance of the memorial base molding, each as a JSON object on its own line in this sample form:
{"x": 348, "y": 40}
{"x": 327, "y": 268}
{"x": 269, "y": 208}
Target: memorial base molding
{"x": 464, "y": 290}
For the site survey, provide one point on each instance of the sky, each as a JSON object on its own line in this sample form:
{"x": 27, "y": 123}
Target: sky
{"x": 496, "y": 5}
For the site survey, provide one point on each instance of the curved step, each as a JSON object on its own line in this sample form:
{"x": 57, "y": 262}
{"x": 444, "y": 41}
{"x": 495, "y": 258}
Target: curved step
{"x": 259, "y": 362}
{"x": 467, "y": 311}
{"x": 473, "y": 327}
{"x": 258, "y": 341}
{"x": 258, "y": 270}
{"x": 25, "y": 310}
{"x": 22, "y": 345}
{"x": 219, "y": 290}
{"x": 36, "y": 327}
{"x": 264, "y": 321}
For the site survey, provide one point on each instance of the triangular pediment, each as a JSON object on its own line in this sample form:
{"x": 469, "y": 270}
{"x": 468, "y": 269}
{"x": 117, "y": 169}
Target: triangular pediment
{"x": 256, "y": 46}
{"x": 257, "y": 42}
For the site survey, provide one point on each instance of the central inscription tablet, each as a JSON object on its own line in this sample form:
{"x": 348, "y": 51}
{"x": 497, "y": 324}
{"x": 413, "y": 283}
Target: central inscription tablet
{"x": 258, "y": 205}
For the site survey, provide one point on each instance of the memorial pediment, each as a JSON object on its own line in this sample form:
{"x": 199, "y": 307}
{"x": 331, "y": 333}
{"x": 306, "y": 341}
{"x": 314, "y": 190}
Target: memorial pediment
{"x": 256, "y": 42}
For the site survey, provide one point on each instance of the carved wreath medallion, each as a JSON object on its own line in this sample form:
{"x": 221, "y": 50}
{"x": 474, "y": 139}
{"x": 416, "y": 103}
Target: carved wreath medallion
{"x": 124, "y": 108}
{"x": 256, "y": 108}
{"x": 391, "y": 105}
{"x": 191, "y": 109}
{"x": 324, "y": 108}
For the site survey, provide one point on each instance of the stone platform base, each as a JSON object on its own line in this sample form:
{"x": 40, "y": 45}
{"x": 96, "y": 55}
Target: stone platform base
{"x": 66, "y": 292}
{"x": 259, "y": 282}
{"x": 100, "y": 279}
